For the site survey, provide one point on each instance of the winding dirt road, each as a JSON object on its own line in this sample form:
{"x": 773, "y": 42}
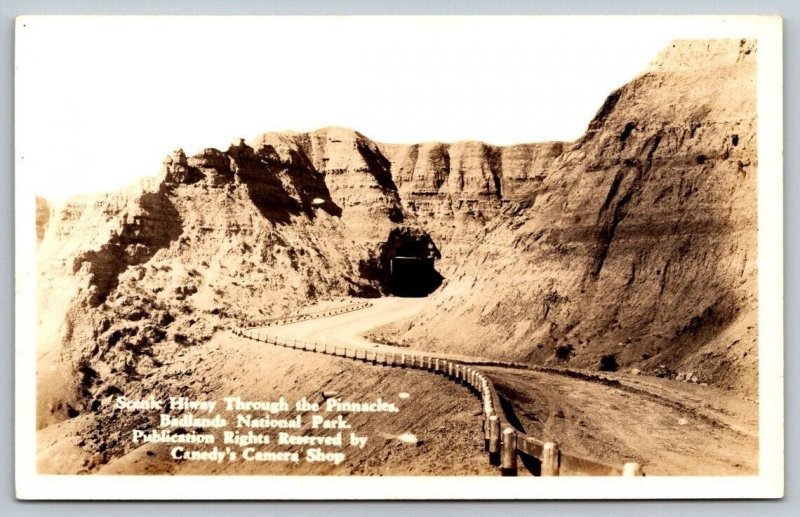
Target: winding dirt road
{"x": 671, "y": 428}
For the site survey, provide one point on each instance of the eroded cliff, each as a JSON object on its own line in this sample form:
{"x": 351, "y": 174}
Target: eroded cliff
{"x": 633, "y": 247}
{"x": 637, "y": 248}
{"x": 126, "y": 281}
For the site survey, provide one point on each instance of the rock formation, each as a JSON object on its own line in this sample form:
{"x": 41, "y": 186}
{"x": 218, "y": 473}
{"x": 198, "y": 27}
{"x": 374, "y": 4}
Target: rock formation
{"x": 126, "y": 280}
{"x": 637, "y": 243}
{"x": 634, "y": 246}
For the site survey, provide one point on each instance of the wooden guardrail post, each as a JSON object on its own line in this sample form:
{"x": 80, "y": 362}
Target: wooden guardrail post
{"x": 436, "y": 365}
{"x": 494, "y": 440}
{"x": 632, "y": 469}
{"x": 508, "y": 466}
{"x": 486, "y": 416}
{"x": 550, "y": 459}
{"x": 402, "y": 360}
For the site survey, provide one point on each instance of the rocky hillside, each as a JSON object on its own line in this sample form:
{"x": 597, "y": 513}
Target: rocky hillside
{"x": 455, "y": 190}
{"x": 127, "y": 280}
{"x": 635, "y": 247}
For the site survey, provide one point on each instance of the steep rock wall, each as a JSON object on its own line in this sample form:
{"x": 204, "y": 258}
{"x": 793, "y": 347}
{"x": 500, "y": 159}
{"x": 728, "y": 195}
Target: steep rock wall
{"x": 639, "y": 242}
{"x": 455, "y": 190}
{"x": 127, "y": 280}
{"x": 635, "y": 243}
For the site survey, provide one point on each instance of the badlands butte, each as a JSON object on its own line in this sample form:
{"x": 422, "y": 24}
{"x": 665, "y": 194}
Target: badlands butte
{"x": 631, "y": 250}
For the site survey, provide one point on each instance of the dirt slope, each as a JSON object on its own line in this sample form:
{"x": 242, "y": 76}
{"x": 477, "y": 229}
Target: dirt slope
{"x": 634, "y": 247}
{"x": 444, "y": 417}
{"x": 638, "y": 244}
{"x": 670, "y": 427}
{"x": 127, "y": 281}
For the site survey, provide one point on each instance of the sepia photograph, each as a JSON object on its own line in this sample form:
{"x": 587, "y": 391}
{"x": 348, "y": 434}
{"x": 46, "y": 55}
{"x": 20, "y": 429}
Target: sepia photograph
{"x": 479, "y": 257}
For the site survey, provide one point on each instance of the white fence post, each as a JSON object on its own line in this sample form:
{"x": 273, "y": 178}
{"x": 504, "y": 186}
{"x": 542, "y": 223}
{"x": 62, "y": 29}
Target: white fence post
{"x": 632, "y": 469}
{"x": 494, "y": 440}
{"x": 550, "y": 459}
{"x": 509, "y": 452}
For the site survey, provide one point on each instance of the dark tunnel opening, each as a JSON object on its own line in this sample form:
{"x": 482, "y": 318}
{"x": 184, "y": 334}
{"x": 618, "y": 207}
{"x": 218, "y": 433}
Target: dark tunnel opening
{"x": 413, "y": 276}
{"x": 404, "y": 264}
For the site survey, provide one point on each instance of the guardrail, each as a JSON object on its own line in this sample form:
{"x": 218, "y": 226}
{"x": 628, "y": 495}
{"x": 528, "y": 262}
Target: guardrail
{"x": 502, "y": 441}
{"x": 284, "y": 320}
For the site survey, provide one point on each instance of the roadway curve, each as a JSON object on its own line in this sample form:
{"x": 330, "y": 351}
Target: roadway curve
{"x": 671, "y": 428}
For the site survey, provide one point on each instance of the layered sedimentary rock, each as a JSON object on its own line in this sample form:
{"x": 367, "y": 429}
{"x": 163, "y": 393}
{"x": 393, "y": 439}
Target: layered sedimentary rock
{"x": 352, "y": 171}
{"x": 126, "y": 280}
{"x": 455, "y": 190}
{"x": 633, "y": 247}
{"x": 638, "y": 245}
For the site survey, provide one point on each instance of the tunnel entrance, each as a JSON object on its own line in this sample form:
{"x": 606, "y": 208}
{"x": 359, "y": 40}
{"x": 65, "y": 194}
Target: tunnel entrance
{"x": 404, "y": 264}
{"x": 413, "y": 276}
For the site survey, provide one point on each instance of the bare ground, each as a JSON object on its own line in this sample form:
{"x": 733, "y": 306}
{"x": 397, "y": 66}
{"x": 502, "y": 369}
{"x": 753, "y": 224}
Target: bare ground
{"x": 444, "y": 417}
{"x": 672, "y": 428}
